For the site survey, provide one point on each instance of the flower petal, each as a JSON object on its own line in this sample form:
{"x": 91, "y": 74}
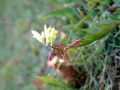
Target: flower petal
{"x": 36, "y": 35}
{"x": 45, "y": 31}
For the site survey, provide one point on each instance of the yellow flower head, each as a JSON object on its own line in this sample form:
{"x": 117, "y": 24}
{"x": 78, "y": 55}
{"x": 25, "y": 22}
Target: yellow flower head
{"x": 47, "y": 36}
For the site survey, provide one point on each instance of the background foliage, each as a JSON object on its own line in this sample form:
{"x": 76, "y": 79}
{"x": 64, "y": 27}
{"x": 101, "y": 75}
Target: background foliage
{"x": 22, "y": 57}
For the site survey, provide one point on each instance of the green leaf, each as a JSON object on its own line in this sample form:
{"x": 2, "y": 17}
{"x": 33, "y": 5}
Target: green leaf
{"x": 116, "y": 15}
{"x": 68, "y": 11}
{"x": 49, "y": 80}
{"x": 78, "y": 26}
{"x": 54, "y": 82}
{"x": 104, "y": 30}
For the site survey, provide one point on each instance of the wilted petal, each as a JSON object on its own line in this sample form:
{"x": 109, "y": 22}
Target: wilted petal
{"x": 51, "y": 56}
{"x": 52, "y": 63}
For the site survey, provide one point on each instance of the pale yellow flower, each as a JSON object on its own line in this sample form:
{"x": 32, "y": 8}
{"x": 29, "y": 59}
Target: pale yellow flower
{"x": 47, "y": 36}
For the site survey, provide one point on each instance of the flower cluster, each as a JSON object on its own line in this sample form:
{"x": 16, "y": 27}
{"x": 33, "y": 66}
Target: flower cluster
{"x": 58, "y": 58}
{"x": 47, "y": 36}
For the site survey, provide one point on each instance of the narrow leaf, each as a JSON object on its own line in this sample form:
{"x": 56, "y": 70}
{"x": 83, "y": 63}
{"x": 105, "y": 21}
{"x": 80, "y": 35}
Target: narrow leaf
{"x": 47, "y": 80}
{"x": 104, "y": 30}
{"x": 59, "y": 12}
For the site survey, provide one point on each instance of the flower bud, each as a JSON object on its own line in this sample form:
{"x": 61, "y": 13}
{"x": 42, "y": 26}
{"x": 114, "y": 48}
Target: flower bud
{"x": 74, "y": 44}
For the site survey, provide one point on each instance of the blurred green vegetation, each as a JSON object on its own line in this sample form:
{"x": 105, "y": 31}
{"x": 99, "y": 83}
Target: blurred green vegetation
{"x": 95, "y": 22}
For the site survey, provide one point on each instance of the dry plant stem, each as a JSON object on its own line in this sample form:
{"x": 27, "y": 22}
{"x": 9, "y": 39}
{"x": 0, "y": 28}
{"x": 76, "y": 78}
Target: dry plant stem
{"x": 102, "y": 75}
{"x": 90, "y": 74}
{"x": 54, "y": 47}
{"x": 57, "y": 48}
{"x": 91, "y": 77}
{"x": 78, "y": 55}
{"x": 101, "y": 82}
